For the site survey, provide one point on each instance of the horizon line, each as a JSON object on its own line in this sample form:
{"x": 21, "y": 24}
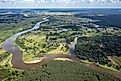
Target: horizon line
{"x": 62, "y": 8}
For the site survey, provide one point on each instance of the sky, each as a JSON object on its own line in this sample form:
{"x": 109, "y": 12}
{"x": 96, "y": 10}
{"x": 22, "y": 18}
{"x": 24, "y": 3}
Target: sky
{"x": 60, "y": 3}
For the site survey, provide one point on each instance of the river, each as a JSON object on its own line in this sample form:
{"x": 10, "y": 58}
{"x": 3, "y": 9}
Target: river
{"x": 17, "y": 59}
{"x": 10, "y": 46}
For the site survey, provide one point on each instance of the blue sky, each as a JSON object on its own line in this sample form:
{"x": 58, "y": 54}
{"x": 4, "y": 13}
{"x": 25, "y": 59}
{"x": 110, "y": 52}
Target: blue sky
{"x": 60, "y": 3}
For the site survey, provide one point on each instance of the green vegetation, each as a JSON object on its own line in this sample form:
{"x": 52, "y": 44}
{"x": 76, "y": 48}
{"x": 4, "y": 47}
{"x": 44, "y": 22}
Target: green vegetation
{"x": 35, "y": 43}
{"x": 12, "y": 18}
{"x": 10, "y": 27}
{"x": 65, "y": 71}
{"x": 105, "y": 19}
{"x": 96, "y": 48}
{"x": 9, "y": 74}
{"x": 55, "y": 37}
{"x": 116, "y": 59}
{"x": 3, "y": 55}
{"x": 14, "y": 28}
{"x": 97, "y": 45}
{"x": 52, "y": 37}
{"x": 55, "y": 71}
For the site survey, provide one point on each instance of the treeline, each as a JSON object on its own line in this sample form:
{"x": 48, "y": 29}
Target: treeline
{"x": 97, "y": 48}
{"x": 105, "y": 20}
{"x": 12, "y": 18}
{"x": 65, "y": 71}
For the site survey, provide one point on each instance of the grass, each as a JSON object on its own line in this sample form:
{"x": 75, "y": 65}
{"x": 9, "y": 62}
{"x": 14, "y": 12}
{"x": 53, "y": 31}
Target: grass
{"x": 59, "y": 50}
{"x": 4, "y": 56}
{"x": 31, "y": 41}
{"x": 107, "y": 67}
{"x": 35, "y": 43}
{"x": 117, "y": 59}
{"x": 7, "y": 61}
{"x": 103, "y": 66}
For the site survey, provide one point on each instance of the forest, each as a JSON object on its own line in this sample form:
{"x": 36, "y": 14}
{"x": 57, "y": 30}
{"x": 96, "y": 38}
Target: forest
{"x": 56, "y": 71}
{"x": 97, "y": 48}
{"x": 105, "y": 19}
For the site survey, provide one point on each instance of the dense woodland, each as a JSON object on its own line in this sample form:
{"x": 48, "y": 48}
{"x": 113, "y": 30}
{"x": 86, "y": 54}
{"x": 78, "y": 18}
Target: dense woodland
{"x": 56, "y": 71}
{"x": 105, "y": 19}
{"x": 97, "y": 48}
{"x": 65, "y": 71}
{"x": 12, "y": 18}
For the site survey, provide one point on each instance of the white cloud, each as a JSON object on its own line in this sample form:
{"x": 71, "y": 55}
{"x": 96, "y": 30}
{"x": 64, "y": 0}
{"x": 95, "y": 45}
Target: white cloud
{"x": 29, "y": 0}
{"x": 7, "y": 0}
{"x": 64, "y": 1}
{"x": 41, "y": 1}
{"x": 60, "y": 3}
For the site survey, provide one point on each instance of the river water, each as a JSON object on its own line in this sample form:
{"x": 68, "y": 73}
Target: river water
{"x": 17, "y": 60}
{"x": 10, "y": 46}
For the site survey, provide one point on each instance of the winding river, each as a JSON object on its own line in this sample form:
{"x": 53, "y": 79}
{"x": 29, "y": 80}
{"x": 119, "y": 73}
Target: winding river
{"x": 10, "y": 46}
{"x": 17, "y": 61}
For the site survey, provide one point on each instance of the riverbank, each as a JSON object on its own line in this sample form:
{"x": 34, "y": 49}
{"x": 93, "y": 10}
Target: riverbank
{"x": 10, "y": 46}
{"x": 17, "y": 55}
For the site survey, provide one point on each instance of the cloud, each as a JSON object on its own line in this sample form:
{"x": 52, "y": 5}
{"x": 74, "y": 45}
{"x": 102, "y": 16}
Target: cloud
{"x": 60, "y": 3}
{"x": 7, "y": 0}
{"x": 86, "y": 1}
{"x": 65, "y": 1}
{"x": 29, "y": 0}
